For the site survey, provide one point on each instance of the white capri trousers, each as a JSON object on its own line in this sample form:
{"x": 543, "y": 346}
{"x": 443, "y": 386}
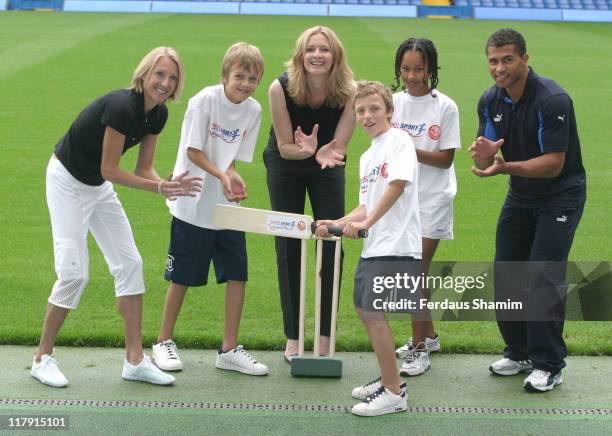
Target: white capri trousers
{"x": 76, "y": 209}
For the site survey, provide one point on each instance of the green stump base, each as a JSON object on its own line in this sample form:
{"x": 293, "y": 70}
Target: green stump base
{"x": 313, "y": 367}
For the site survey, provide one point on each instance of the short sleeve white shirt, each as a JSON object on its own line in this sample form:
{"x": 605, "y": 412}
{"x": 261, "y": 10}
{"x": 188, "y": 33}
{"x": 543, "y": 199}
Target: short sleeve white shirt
{"x": 391, "y": 156}
{"x": 224, "y": 132}
{"x": 432, "y": 121}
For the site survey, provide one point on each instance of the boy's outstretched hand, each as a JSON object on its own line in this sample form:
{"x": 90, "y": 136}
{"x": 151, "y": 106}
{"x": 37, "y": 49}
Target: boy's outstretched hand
{"x": 234, "y": 187}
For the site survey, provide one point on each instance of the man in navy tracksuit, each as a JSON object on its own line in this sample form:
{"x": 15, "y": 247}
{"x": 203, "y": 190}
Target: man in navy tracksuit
{"x": 531, "y": 119}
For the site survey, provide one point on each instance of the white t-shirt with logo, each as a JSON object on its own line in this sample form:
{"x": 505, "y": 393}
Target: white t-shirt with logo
{"x": 224, "y": 132}
{"x": 391, "y": 156}
{"x": 433, "y": 124}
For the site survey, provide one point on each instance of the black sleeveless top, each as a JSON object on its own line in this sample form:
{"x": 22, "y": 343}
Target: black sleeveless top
{"x": 305, "y": 117}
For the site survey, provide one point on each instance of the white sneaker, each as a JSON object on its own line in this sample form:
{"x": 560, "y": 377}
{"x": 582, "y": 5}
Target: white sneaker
{"x": 361, "y": 392}
{"x": 432, "y": 344}
{"x": 381, "y": 402}
{"x": 542, "y": 381}
{"x": 507, "y": 366}
{"x": 147, "y": 372}
{"x": 47, "y": 372}
{"x": 166, "y": 357}
{"x": 416, "y": 361}
{"x": 237, "y": 359}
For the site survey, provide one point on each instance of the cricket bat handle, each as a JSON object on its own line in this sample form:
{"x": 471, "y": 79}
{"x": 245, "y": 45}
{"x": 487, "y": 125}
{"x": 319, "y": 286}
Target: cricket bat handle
{"x": 337, "y": 230}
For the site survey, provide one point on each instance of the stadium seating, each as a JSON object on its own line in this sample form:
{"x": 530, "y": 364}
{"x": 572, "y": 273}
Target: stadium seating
{"x": 572, "y": 5}
{"x": 537, "y": 4}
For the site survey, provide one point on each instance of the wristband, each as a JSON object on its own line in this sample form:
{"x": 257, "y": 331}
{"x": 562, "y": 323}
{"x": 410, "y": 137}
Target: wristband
{"x": 159, "y": 187}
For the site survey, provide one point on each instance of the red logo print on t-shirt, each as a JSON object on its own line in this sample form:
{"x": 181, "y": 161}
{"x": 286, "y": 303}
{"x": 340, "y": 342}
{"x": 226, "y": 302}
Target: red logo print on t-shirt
{"x": 383, "y": 170}
{"x": 434, "y": 132}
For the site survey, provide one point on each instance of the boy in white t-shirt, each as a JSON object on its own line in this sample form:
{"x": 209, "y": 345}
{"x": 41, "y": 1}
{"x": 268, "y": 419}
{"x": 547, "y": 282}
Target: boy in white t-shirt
{"x": 220, "y": 126}
{"x": 389, "y": 210}
{"x": 432, "y": 120}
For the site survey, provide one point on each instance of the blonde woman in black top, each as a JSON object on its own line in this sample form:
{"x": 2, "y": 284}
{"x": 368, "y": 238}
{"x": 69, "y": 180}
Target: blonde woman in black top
{"x": 312, "y": 123}
{"x": 81, "y": 199}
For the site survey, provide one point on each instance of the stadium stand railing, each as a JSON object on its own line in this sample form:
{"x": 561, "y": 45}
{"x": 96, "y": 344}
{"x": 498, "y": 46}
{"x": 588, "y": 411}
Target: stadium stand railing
{"x": 548, "y": 10}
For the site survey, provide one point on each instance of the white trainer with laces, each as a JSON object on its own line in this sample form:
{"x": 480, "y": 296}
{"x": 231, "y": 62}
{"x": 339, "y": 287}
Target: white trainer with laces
{"x": 166, "y": 356}
{"x": 432, "y": 344}
{"x": 507, "y": 366}
{"x": 416, "y": 361}
{"x": 145, "y": 371}
{"x": 361, "y": 392}
{"x": 237, "y": 359}
{"x": 47, "y": 372}
{"x": 381, "y": 402}
{"x": 542, "y": 381}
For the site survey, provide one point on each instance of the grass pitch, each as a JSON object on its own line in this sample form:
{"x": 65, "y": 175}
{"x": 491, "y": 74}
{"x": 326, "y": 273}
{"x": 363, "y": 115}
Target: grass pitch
{"x": 56, "y": 63}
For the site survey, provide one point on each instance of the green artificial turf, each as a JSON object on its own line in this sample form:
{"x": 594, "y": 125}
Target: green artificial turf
{"x": 53, "y": 64}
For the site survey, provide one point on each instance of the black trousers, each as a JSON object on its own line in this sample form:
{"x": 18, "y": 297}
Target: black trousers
{"x": 536, "y": 235}
{"x": 288, "y": 183}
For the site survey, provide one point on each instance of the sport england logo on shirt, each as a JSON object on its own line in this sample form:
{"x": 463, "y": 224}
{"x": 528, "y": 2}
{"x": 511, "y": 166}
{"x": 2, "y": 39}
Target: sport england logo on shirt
{"x": 378, "y": 170}
{"x": 414, "y": 130}
{"x": 229, "y": 136}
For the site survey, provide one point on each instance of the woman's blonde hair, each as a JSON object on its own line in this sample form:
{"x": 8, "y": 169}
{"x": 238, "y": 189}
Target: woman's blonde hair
{"x": 146, "y": 65}
{"x": 340, "y": 82}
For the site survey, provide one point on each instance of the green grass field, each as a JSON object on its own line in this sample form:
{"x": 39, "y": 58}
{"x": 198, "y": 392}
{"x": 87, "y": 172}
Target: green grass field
{"x": 56, "y": 63}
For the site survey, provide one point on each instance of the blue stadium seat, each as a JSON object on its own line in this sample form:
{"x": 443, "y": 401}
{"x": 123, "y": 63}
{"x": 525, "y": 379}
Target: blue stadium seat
{"x": 551, "y": 4}
{"x": 390, "y": 2}
{"x": 475, "y": 3}
{"x": 403, "y": 2}
{"x": 365, "y": 2}
{"x": 461, "y": 2}
{"x": 538, "y": 4}
{"x": 563, "y": 4}
{"x": 500, "y": 3}
{"x": 378, "y": 2}
{"x": 575, "y": 4}
{"x": 601, "y": 4}
{"x": 512, "y": 3}
{"x": 525, "y": 4}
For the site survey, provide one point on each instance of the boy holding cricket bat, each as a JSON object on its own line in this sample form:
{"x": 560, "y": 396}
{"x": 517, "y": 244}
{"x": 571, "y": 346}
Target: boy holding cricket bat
{"x": 389, "y": 210}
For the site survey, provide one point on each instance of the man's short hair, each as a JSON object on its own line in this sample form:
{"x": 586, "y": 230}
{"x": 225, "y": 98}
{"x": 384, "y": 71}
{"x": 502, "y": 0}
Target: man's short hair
{"x": 507, "y": 36}
{"x": 245, "y": 55}
{"x": 368, "y": 87}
